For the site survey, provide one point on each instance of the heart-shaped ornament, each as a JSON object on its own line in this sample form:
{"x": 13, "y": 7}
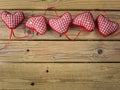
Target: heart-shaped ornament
{"x": 37, "y": 24}
{"x": 84, "y": 20}
{"x": 61, "y": 24}
{"x": 12, "y": 21}
{"x": 106, "y": 27}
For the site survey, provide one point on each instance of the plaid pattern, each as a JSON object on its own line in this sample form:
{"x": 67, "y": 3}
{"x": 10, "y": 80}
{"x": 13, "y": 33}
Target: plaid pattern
{"x": 37, "y": 23}
{"x": 12, "y": 21}
{"x": 84, "y": 20}
{"x": 105, "y": 26}
{"x": 61, "y": 24}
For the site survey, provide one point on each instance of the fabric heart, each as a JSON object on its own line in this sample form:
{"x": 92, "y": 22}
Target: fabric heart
{"x": 84, "y": 20}
{"x": 12, "y": 21}
{"x": 37, "y": 23}
{"x": 105, "y": 26}
{"x": 61, "y": 24}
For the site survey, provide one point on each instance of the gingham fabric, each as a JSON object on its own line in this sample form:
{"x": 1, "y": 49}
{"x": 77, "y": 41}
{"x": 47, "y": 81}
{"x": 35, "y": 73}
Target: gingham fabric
{"x": 105, "y": 26}
{"x": 61, "y": 24}
{"x": 12, "y": 21}
{"x": 84, "y": 20}
{"x": 37, "y": 23}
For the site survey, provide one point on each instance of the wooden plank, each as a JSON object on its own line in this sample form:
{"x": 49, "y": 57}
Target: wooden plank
{"x": 52, "y": 35}
{"x": 60, "y": 4}
{"x": 61, "y": 51}
{"x": 59, "y": 76}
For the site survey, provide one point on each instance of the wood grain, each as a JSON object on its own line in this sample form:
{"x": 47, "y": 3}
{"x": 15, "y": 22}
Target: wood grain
{"x": 52, "y": 35}
{"x": 59, "y": 76}
{"x": 50, "y": 62}
{"x": 60, "y": 4}
{"x": 61, "y": 51}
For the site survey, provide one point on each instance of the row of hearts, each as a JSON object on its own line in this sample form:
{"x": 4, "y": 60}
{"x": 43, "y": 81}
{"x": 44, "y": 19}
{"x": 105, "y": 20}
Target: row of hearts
{"x": 61, "y": 24}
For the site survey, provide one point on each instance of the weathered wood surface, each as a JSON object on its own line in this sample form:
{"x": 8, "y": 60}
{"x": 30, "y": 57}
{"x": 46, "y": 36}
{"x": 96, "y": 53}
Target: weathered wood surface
{"x": 52, "y": 35}
{"x": 57, "y": 76}
{"x": 60, "y": 4}
{"x": 61, "y": 51}
{"x": 50, "y": 62}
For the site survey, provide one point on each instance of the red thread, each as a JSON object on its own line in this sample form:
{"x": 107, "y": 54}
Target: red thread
{"x": 13, "y": 34}
{"x": 75, "y": 37}
{"x": 49, "y": 8}
{"x": 22, "y": 36}
{"x": 10, "y": 37}
{"x": 8, "y": 41}
{"x": 115, "y": 34}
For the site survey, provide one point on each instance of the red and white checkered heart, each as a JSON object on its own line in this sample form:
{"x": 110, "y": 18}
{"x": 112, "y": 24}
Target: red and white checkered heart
{"x": 105, "y": 26}
{"x": 12, "y": 21}
{"x": 84, "y": 20}
{"x": 37, "y": 23}
{"x": 61, "y": 24}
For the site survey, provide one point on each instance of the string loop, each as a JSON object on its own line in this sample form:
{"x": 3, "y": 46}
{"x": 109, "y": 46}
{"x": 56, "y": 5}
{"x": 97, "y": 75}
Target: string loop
{"x": 26, "y": 36}
{"x": 49, "y": 8}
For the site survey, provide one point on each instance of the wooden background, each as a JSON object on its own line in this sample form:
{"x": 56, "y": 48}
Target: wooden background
{"x": 50, "y": 61}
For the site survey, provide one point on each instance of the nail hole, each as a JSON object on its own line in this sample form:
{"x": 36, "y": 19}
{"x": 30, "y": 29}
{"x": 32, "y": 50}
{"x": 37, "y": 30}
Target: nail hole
{"x": 32, "y": 15}
{"x": 32, "y": 84}
{"x": 60, "y": 35}
{"x": 100, "y": 51}
{"x": 47, "y": 71}
{"x": 27, "y": 50}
